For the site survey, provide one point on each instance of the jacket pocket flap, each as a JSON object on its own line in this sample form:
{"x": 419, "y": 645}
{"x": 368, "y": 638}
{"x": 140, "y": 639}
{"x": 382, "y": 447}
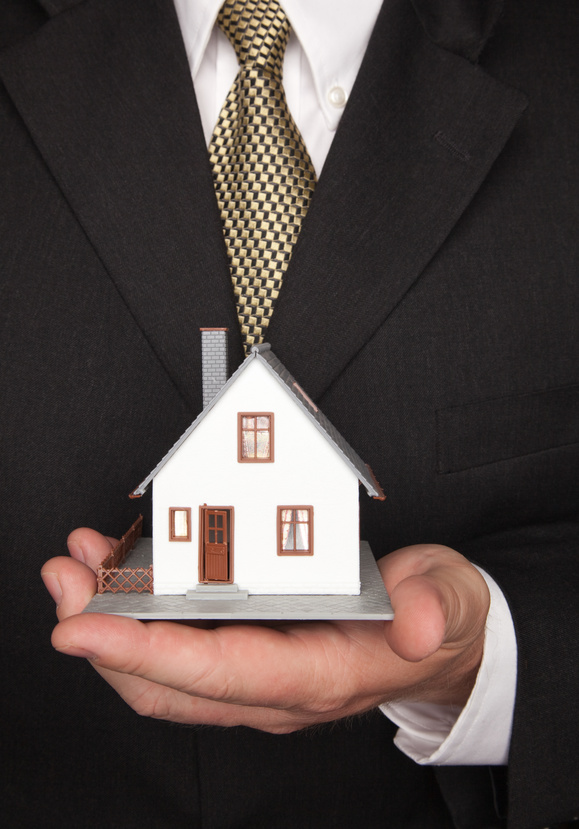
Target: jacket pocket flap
{"x": 506, "y": 427}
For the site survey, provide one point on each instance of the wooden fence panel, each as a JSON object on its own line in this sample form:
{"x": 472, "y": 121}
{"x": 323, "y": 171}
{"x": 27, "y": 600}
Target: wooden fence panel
{"x": 113, "y": 578}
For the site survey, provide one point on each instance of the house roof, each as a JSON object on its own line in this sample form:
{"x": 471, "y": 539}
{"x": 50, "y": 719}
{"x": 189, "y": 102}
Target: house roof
{"x": 265, "y": 355}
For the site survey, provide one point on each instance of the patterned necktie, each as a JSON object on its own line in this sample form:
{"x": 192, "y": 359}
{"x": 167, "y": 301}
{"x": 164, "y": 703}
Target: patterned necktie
{"x": 263, "y": 175}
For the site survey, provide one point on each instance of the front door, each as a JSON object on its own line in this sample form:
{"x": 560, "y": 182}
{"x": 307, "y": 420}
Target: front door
{"x": 215, "y": 559}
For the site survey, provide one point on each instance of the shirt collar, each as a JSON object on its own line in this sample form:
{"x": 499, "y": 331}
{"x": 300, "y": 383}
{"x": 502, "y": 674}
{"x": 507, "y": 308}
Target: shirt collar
{"x": 333, "y": 34}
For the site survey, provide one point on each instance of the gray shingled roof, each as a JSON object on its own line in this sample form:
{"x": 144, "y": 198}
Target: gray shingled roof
{"x": 265, "y": 355}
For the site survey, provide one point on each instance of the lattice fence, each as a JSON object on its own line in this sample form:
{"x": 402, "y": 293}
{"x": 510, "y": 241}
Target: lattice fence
{"x": 125, "y": 580}
{"x": 113, "y": 578}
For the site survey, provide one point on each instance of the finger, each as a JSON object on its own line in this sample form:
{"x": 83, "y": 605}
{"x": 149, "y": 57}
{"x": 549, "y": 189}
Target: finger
{"x": 159, "y": 680}
{"x": 449, "y": 577}
{"x": 89, "y": 546}
{"x": 231, "y": 664}
{"x": 305, "y": 667}
{"x": 70, "y": 583}
{"x": 416, "y": 560}
{"x": 419, "y": 625}
{"x": 149, "y": 699}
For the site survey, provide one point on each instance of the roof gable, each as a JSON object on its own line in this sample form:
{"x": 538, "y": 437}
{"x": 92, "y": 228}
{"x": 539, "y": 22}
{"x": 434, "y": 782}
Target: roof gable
{"x": 267, "y": 358}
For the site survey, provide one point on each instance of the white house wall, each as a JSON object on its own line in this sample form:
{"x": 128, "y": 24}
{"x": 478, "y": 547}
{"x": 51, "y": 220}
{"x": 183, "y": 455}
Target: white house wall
{"x": 307, "y": 471}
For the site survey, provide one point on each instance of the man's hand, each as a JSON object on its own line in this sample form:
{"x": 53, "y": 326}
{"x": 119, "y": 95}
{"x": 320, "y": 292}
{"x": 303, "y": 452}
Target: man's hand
{"x": 283, "y": 677}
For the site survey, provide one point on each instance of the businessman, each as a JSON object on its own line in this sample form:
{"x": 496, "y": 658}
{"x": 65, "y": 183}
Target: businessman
{"x": 435, "y": 279}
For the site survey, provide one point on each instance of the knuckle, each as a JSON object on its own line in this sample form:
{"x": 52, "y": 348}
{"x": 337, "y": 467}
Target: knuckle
{"x": 150, "y": 705}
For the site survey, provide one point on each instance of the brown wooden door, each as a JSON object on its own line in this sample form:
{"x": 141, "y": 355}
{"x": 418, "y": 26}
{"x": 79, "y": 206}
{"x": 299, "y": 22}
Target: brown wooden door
{"x": 216, "y": 545}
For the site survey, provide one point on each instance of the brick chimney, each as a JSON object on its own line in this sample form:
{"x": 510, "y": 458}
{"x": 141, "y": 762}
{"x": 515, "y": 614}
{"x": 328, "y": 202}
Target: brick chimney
{"x": 213, "y": 361}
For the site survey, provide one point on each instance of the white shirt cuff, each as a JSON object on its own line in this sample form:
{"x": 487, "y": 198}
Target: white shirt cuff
{"x": 480, "y": 733}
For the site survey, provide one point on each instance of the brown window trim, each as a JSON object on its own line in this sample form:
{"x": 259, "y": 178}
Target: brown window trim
{"x": 308, "y": 552}
{"x": 240, "y": 417}
{"x": 172, "y": 536}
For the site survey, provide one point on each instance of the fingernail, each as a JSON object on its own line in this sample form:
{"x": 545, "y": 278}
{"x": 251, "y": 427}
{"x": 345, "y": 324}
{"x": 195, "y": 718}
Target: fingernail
{"x": 52, "y": 584}
{"x": 74, "y": 650}
{"x": 75, "y": 551}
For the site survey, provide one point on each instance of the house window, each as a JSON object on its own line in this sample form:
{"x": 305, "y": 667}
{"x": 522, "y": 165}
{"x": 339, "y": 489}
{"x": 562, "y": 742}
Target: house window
{"x": 255, "y": 437}
{"x": 179, "y": 524}
{"x": 295, "y": 531}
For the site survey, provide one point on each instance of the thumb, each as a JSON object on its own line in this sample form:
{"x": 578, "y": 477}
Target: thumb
{"x": 440, "y": 601}
{"x": 89, "y": 546}
{"x": 419, "y": 625}
{"x": 71, "y": 581}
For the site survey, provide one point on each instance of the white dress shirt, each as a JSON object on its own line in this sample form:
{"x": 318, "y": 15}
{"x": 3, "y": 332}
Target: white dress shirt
{"x": 324, "y": 53}
{"x": 320, "y": 67}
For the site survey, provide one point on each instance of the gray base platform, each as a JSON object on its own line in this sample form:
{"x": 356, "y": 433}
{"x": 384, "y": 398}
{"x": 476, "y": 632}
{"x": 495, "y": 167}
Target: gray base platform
{"x": 372, "y": 603}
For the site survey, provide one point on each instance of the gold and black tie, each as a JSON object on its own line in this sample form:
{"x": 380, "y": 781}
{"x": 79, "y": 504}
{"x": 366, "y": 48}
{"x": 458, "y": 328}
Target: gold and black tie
{"x": 263, "y": 175}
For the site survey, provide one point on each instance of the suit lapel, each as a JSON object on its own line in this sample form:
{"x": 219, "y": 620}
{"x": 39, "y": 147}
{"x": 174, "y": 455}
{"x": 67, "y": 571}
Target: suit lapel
{"x": 105, "y": 90}
{"x": 421, "y": 131}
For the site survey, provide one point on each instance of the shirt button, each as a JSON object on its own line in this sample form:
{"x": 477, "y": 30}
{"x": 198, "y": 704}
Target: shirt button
{"x": 337, "y": 97}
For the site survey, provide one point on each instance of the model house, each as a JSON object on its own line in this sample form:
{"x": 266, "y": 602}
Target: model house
{"x": 260, "y": 492}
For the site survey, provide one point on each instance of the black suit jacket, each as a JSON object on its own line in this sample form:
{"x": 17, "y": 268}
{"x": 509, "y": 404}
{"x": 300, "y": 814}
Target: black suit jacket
{"x": 430, "y": 307}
